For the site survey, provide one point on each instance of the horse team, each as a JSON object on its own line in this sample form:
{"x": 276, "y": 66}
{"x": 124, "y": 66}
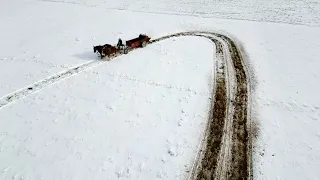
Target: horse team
{"x": 107, "y": 49}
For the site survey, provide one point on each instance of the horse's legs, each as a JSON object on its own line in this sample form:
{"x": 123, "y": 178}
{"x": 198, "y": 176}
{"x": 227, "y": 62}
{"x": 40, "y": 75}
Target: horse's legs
{"x": 108, "y": 59}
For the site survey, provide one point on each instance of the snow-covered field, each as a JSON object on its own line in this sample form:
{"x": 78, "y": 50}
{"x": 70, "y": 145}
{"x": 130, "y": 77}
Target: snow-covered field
{"x": 142, "y": 115}
{"x": 113, "y": 121}
{"x": 280, "y": 11}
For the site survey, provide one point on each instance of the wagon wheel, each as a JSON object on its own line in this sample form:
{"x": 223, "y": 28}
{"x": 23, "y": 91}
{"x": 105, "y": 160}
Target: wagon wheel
{"x": 125, "y": 50}
{"x": 144, "y": 43}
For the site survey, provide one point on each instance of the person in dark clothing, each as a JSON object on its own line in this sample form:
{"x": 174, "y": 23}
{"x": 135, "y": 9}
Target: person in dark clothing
{"x": 120, "y": 43}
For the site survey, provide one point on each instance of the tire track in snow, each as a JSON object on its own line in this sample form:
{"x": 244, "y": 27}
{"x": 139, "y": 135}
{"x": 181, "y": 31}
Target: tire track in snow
{"x": 35, "y": 87}
{"x": 19, "y": 94}
{"x": 240, "y": 135}
{"x": 215, "y": 144}
{"x": 224, "y": 134}
{"x": 235, "y": 150}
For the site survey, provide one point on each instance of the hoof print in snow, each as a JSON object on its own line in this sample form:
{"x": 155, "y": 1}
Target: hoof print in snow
{"x": 78, "y": 39}
{"x": 119, "y": 174}
{"x": 112, "y": 108}
{"x": 123, "y": 173}
{"x": 36, "y": 56}
{"x": 5, "y": 169}
{"x": 164, "y": 160}
{"x": 161, "y": 175}
{"x": 141, "y": 167}
{"x": 180, "y": 122}
{"x": 9, "y": 98}
{"x": 172, "y": 151}
{"x": 55, "y": 121}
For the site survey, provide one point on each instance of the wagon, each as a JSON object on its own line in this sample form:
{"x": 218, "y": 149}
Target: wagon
{"x": 140, "y": 41}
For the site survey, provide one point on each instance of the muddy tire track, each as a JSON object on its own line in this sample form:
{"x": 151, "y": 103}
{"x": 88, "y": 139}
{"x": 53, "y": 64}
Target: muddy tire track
{"x": 210, "y": 149}
{"x": 205, "y": 168}
{"x": 230, "y": 146}
{"x": 225, "y": 150}
{"x": 240, "y": 137}
{"x": 240, "y": 166}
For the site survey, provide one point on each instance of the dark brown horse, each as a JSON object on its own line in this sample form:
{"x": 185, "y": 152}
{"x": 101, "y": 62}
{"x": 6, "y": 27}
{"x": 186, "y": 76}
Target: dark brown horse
{"x": 99, "y": 48}
{"x": 108, "y": 51}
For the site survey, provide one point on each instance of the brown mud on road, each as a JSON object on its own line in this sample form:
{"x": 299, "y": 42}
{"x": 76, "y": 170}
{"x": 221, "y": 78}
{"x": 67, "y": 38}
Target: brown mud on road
{"x": 216, "y": 121}
{"x": 240, "y": 137}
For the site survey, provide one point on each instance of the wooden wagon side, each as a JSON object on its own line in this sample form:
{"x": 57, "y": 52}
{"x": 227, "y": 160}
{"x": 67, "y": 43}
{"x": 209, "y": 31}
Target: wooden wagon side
{"x": 140, "y": 41}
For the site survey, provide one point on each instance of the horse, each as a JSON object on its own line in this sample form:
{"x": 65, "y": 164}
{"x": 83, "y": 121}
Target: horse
{"x": 108, "y": 51}
{"x": 99, "y": 48}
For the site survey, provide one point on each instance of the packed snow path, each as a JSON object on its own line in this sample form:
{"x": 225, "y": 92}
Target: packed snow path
{"x": 227, "y": 142}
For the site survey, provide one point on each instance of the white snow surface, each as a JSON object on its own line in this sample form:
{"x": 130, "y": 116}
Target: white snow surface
{"x": 113, "y": 121}
{"x": 280, "y": 11}
{"x": 141, "y": 116}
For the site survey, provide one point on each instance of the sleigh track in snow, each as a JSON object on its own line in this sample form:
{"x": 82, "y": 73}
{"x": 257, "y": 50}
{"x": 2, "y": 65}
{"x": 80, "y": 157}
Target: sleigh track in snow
{"x": 226, "y": 149}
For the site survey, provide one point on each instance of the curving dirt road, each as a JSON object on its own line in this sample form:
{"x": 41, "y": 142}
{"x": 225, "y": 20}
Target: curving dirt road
{"x": 225, "y": 152}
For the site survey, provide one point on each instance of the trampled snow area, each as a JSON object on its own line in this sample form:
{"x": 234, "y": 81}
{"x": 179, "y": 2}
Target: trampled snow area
{"x": 142, "y": 115}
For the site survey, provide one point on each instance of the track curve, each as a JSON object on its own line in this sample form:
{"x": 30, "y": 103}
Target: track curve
{"x": 226, "y": 150}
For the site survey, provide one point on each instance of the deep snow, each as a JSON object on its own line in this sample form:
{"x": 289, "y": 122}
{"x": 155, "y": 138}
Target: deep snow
{"x": 36, "y": 42}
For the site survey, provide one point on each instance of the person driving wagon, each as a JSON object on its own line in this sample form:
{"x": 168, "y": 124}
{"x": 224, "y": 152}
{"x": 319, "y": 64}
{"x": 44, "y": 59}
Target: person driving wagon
{"x": 120, "y": 43}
